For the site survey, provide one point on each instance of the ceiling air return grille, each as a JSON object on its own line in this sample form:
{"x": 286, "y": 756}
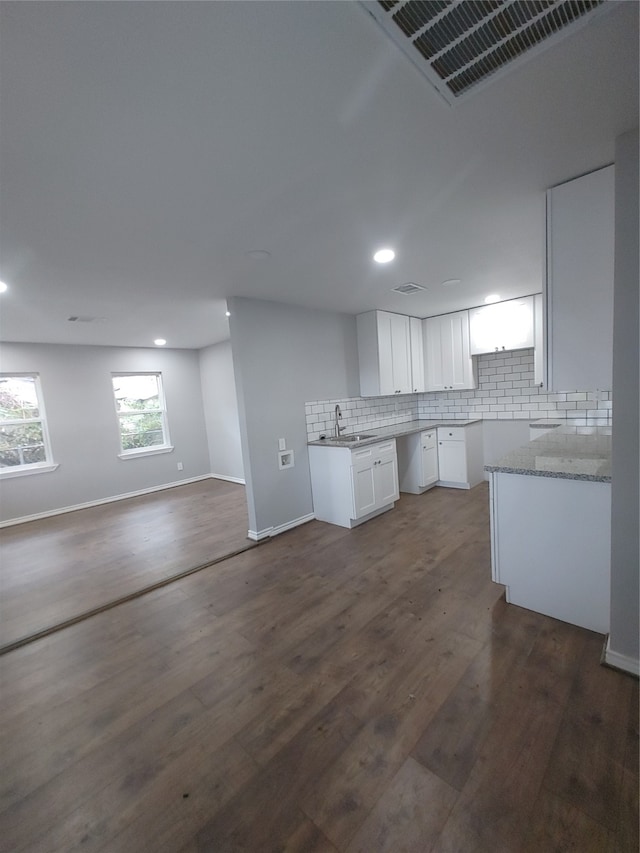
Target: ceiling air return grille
{"x": 409, "y": 287}
{"x": 459, "y": 44}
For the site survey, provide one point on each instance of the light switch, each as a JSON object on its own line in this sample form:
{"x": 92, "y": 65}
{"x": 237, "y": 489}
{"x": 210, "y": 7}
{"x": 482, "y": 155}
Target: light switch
{"x": 282, "y": 444}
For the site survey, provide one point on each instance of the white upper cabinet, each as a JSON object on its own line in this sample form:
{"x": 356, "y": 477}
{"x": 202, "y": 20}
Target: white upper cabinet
{"x": 448, "y": 362}
{"x": 384, "y": 353}
{"x": 539, "y": 355}
{"x": 502, "y": 326}
{"x": 580, "y": 250}
{"x": 417, "y": 354}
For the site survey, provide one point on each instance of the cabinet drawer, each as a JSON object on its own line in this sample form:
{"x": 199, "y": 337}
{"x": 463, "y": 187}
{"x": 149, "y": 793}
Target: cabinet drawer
{"x": 364, "y": 455}
{"x": 451, "y": 434}
{"x": 428, "y": 439}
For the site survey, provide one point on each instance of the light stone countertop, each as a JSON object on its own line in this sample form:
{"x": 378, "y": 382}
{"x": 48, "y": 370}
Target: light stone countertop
{"x": 395, "y": 431}
{"x": 572, "y": 453}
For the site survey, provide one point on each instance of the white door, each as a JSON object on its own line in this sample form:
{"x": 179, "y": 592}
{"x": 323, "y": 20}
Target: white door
{"x": 400, "y": 354}
{"x": 452, "y": 461}
{"x": 385, "y": 474}
{"x": 458, "y": 367}
{"x": 385, "y": 352}
{"x": 429, "y": 458}
{"x": 432, "y": 342}
{"x": 364, "y": 490}
{"x": 417, "y": 355}
{"x": 538, "y": 337}
{"x": 504, "y": 326}
{"x": 580, "y": 271}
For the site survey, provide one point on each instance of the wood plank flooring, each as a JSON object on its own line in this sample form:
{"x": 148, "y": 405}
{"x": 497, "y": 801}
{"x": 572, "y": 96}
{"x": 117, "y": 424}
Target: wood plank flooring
{"x": 55, "y": 569}
{"x": 333, "y": 691}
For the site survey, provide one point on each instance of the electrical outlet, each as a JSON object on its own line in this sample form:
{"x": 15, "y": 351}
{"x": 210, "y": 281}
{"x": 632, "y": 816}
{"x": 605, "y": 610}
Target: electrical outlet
{"x": 180, "y": 466}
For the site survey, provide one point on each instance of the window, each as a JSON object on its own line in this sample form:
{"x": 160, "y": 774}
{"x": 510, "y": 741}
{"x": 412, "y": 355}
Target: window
{"x": 24, "y": 439}
{"x": 142, "y": 415}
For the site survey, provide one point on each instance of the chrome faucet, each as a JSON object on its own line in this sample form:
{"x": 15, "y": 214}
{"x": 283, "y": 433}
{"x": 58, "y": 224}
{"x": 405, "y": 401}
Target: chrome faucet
{"x": 339, "y": 429}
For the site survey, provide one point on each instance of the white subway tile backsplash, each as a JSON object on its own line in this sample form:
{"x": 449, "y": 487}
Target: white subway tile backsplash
{"x": 505, "y": 392}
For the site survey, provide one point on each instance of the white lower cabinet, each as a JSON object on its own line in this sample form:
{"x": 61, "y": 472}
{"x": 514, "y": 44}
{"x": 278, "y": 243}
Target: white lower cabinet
{"x": 551, "y": 546}
{"x": 418, "y": 461}
{"x": 460, "y": 457}
{"x": 353, "y": 485}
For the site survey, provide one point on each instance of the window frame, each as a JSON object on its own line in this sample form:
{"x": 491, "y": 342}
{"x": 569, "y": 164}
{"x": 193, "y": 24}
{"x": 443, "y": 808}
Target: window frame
{"x": 48, "y": 464}
{"x": 153, "y": 449}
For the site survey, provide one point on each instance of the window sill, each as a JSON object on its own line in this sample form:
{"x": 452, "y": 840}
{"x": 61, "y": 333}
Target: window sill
{"x": 45, "y": 468}
{"x": 151, "y": 451}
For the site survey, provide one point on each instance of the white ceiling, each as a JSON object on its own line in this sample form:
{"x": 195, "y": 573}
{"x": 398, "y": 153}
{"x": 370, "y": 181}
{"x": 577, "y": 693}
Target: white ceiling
{"x": 146, "y": 147}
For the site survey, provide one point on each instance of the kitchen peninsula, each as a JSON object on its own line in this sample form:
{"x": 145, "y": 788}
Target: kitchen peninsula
{"x": 551, "y": 525}
{"x": 358, "y": 476}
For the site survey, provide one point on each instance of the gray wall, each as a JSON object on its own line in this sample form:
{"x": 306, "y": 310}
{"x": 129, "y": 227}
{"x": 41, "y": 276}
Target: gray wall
{"x": 78, "y": 397}
{"x": 221, "y": 411}
{"x": 625, "y": 509}
{"x": 283, "y": 357}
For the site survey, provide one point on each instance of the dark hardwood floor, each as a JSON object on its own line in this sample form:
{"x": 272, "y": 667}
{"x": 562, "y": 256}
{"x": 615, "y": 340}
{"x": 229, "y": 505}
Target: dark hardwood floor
{"x": 332, "y": 690}
{"x": 56, "y": 569}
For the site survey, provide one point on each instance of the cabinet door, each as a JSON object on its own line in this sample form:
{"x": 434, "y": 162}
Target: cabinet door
{"x": 385, "y": 474}
{"x": 580, "y": 256}
{"x": 539, "y": 360}
{"x": 400, "y": 354}
{"x": 429, "y": 459}
{"x": 434, "y": 366}
{"x": 364, "y": 492}
{"x": 452, "y": 461}
{"x": 386, "y": 331}
{"x": 417, "y": 355}
{"x": 448, "y": 363}
{"x": 503, "y": 326}
{"x": 458, "y": 364}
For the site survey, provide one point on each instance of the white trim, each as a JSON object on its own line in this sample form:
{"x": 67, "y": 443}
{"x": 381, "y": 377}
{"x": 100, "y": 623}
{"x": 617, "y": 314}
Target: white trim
{"x": 48, "y": 513}
{"x": 268, "y": 532}
{"x": 619, "y": 661}
{"x": 289, "y": 525}
{"x": 259, "y": 535}
{"x": 24, "y": 470}
{"x": 239, "y": 480}
{"x": 150, "y": 451}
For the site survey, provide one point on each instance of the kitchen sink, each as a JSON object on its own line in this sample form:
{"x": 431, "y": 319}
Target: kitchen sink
{"x": 351, "y": 439}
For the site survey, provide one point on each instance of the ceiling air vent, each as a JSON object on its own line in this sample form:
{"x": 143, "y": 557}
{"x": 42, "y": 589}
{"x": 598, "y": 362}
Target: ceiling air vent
{"x": 409, "y": 287}
{"x": 85, "y": 319}
{"x": 460, "y": 45}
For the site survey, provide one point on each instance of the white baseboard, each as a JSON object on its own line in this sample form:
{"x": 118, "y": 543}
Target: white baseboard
{"x": 619, "y": 661}
{"x": 238, "y": 480}
{"x": 51, "y": 512}
{"x": 259, "y": 535}
{"x": 268, "y": 532}
{"x": 289, "y": 525}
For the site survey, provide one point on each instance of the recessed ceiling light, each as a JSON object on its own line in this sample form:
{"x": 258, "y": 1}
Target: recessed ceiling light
{"x": 159, "y": 342}
{"x": 3, "y": 287}
{"x": 492, "y": 297}
{"x": 227, "y": 313}
{"x": 383, "y": 256}
{"x": 450, "y": 281}
{"x": 258, "y": 254}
